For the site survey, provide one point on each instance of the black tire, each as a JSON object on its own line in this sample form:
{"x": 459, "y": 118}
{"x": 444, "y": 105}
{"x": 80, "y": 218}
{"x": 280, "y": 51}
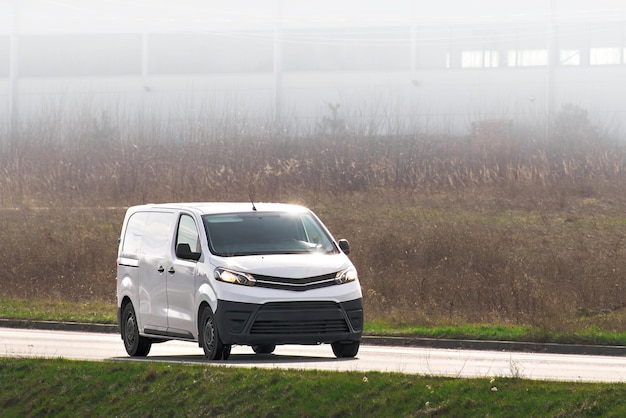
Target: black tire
{"x": 210, "y": 338}
{"x": 264, "y": 348}
{"x": 346, "y": 349}
{"x": 135, "y": 345}
{"x": 226, "y": 351}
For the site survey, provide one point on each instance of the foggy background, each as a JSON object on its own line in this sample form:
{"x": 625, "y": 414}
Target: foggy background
{"x": 394, "y": 66}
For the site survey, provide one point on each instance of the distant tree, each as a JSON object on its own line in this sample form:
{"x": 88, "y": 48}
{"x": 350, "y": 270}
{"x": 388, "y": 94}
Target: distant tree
{"x": 333, "y": 124}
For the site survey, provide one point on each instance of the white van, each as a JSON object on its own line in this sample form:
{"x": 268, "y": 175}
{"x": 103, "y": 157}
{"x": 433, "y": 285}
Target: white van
{"x": 235, "y": 273}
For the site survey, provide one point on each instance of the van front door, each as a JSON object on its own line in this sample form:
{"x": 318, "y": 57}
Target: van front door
{"x": 181, "y": 281}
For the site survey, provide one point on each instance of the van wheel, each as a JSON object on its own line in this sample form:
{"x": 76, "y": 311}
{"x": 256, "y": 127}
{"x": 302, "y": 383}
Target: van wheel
{"x": 226, "y": 351}
{"x": 264, "y": 348}
{"x": 346, "y": 349}
{"x": 136, "y": 345}
{"x": 209, "y": 337}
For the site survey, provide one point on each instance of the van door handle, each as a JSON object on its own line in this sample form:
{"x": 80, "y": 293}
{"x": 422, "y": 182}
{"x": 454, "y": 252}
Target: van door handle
{"x": 160, "y": 269}
{"x": 171, "y": 270}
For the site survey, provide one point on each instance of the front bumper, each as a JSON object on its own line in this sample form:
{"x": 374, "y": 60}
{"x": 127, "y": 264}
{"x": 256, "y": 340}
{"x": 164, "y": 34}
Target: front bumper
{"x": 296, "y": 322}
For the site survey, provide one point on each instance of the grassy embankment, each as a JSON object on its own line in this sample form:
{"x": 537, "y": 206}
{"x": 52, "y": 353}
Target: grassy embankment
{"x": 31, "y": 387}
{"x": 475, "y": 237}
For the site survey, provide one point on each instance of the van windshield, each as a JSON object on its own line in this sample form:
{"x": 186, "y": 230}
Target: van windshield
{"x": 237, "y": 234}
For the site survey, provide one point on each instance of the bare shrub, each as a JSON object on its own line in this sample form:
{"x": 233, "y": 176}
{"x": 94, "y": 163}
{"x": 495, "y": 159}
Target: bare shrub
{"x": 66, "y": 254}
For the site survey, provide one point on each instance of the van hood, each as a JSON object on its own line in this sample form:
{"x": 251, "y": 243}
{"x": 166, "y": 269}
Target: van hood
{"x": 296, "y": 266}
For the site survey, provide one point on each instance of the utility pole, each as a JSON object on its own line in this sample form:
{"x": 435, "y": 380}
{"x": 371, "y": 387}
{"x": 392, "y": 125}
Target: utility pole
{"x": 278, "y": 62}
{"x": 553, "y": 60}
{"x": 13, "y": 71}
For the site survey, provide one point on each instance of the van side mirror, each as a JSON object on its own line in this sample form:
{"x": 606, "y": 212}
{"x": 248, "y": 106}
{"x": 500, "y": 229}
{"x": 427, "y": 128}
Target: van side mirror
{"x": 344, "y": 245}
{"x": 183, "y": 251}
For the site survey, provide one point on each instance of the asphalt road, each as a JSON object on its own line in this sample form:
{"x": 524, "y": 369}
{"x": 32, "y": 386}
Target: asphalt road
{"x": 409, "y": 360}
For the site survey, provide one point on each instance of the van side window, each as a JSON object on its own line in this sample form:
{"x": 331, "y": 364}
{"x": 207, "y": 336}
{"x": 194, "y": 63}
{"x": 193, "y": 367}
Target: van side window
{"x": 158, "y": 234}
{"x": 187, "y": 239}
{"x": 134, "y": 232}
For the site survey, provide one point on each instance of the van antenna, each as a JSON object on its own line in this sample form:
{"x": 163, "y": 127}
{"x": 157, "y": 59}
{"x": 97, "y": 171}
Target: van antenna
{"x": 252, "y": 201}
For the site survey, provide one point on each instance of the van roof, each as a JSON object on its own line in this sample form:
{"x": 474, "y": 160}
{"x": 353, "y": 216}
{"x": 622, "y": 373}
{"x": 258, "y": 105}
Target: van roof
{"x": 206, "y": 208}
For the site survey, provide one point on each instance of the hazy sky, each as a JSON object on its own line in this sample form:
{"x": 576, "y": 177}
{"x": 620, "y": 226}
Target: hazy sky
{"x": 49, "y": 16}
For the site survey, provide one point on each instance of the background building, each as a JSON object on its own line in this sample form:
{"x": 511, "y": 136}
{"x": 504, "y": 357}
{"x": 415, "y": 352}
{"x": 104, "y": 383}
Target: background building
{"x": 436, "y": 66}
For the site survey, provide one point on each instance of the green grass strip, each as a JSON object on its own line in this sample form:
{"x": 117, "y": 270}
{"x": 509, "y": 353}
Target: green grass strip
{"x": 37, "y": 387}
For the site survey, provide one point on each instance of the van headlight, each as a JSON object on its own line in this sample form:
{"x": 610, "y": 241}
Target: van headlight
{"x": 230, "y": 276}
{"x": 346, "y": 276}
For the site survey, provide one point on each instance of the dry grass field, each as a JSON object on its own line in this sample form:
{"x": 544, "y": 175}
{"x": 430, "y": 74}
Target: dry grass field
{"x": 496, "y": 228}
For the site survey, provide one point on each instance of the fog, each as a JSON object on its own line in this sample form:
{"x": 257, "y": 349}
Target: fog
{"x": 437, "y": 67}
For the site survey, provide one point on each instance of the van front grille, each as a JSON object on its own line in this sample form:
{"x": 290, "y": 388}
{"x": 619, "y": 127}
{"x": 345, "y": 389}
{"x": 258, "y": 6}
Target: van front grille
{"x": 304, "y": 318}
{"x": 287, "y": 283}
